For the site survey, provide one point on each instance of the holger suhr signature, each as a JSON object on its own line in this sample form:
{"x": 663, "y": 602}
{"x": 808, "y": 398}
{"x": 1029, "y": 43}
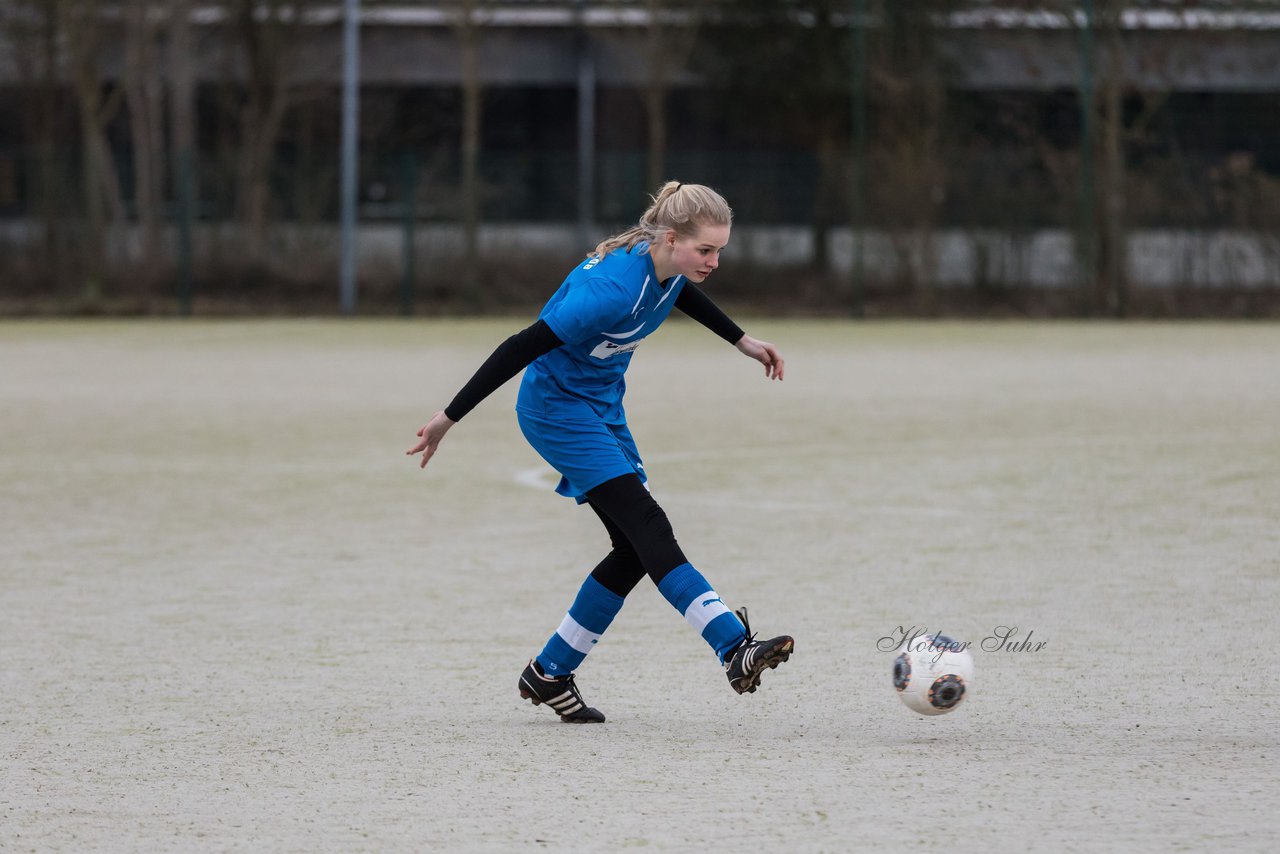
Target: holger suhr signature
{"x": 918, "y": 638}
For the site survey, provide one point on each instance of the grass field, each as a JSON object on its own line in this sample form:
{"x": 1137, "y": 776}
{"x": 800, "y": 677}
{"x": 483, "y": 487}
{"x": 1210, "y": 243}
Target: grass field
{"x": 236, "y": 616}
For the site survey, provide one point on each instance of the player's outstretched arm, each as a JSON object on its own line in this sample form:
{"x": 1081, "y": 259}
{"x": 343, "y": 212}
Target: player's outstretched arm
{"x": 693, "y": 302}
{"x": 509, "y": 359}
{"x": 764, "y": 353}
{"x": 429, "y": 437}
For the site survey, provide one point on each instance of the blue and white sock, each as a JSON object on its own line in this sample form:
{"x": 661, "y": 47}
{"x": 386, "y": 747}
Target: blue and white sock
{"x": 691, "y": 595}
{"x": 581, "y": 628}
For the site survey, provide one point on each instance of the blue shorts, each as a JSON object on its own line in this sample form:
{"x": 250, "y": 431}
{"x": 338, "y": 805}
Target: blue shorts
{"x": 586, "y": 452}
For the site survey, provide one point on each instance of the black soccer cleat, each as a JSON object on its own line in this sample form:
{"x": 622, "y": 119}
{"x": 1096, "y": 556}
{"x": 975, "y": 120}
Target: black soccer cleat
{"x": 560, "y": 693}
{"x": 744, "y": 665}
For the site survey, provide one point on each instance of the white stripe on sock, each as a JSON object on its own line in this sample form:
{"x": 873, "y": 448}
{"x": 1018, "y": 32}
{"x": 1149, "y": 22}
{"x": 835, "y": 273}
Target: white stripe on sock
{"x": 703, "y": 609}
{"x": 572, "y": 633}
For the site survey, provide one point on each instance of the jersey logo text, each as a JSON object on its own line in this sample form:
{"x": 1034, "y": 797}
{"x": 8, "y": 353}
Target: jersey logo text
{"x": 607, "y": 349}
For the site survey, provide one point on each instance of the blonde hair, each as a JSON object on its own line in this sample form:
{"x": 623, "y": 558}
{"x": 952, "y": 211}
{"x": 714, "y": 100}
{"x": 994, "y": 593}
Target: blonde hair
{"x": 682, "y": 208}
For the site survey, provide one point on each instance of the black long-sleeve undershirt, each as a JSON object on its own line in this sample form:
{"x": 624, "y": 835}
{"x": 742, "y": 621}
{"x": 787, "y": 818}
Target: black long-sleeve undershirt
{"x": 510, "y": 358}
{"x": 697, "y": 305}
{"x": 517, "y": 352}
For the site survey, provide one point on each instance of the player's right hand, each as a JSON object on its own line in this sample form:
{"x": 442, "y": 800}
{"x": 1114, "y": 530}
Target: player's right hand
{"x": 429, "y": 436}
{"x": 764, "y": 353}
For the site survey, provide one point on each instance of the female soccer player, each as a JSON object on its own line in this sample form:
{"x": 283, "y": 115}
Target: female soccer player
{"x": 570, "y": 409}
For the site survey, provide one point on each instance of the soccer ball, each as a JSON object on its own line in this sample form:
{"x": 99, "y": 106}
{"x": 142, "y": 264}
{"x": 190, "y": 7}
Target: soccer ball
{"x": 933, "y": 674}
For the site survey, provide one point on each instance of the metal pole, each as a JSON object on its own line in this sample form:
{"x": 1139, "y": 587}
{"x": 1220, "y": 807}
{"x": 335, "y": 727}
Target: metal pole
{"x": 350, "y": 151}
{"x": 858, "y": 174}
{"x": 1086, "y": 214}
{"x": 181, "y": 108}
{"x": 586, "y": 132}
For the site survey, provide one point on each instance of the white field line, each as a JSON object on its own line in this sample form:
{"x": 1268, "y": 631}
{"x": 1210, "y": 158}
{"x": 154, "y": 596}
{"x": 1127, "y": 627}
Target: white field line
{"x": 543, "y": 478}
{"x": 538, "y": 477}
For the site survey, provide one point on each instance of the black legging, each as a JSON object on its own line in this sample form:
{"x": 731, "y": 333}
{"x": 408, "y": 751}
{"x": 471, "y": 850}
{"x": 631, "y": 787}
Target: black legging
{"x": 643, "y": 541}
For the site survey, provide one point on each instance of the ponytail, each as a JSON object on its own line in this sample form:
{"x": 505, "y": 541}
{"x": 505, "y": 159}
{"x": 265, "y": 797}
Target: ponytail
{"x": 683, "y": 208}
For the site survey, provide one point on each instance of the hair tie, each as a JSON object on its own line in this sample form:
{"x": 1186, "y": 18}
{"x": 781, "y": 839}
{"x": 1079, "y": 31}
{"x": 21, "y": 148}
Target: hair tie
{"x": 678, "y": 186}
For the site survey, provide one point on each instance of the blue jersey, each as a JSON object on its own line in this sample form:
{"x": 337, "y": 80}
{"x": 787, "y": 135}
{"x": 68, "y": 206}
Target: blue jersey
{"x": 602, "y": 312}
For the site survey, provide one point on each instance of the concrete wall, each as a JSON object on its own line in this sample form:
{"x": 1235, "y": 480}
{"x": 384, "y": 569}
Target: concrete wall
{"x": 955, "y": 259}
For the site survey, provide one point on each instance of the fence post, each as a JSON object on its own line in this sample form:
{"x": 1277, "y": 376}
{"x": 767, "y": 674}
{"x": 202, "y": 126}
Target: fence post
{"x": 409, "y": 211}
{"x": 185, "y": 214}
{"x": 1085, "y": 245}
{"x": 858, "y": 172}
{"x": 586, "y": 128}
{"x": 350, "y": 153}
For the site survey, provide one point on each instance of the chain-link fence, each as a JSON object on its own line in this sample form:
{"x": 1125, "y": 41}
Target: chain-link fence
{"x": 1083, "y": 158}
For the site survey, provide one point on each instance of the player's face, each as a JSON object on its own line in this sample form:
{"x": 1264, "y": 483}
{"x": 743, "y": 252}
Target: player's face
{"x": 697, "y": 256}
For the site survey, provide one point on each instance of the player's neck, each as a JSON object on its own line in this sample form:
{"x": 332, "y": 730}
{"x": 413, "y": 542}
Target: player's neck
{"x": 662, "y": 265}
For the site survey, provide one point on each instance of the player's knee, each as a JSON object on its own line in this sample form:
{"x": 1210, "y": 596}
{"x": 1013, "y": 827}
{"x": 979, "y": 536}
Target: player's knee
{"x": 625, "y": 553}
{"x": 622, "y": 547}
{"x": 655, "y": 523}
{"x": 619, "y": 572}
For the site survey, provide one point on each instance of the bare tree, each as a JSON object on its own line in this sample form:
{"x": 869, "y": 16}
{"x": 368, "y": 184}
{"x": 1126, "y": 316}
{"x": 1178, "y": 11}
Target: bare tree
{"x": 907, "y": 155}
{"x": 182, "y": 81}
{"x": 1118, "y": 130}
{"x": 468, "y": 23}
{"x": 181, "y": 64}
{"x": 144, "y": 94}
{"x": 268, "y": 34}
{"x": 671, "y": 29}
{"x": 182, "y": 86}
{"x": 785, "y": 69}
{"x": 32, "y": 27}
{"x": 315, "y": 186}
{"x": 1111, "y": 286}
{"x": 86, "y": 37}
{"x": 1123, "y": 90}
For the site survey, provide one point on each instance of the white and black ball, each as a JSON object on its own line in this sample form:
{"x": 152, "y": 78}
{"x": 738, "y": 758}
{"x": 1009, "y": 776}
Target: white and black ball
{"x": 933, "y": 674}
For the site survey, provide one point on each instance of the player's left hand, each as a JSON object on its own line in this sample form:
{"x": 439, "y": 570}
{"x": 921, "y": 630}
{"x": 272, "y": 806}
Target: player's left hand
{"x": 764, "y": 353}
{"x": 430, "y": 435}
